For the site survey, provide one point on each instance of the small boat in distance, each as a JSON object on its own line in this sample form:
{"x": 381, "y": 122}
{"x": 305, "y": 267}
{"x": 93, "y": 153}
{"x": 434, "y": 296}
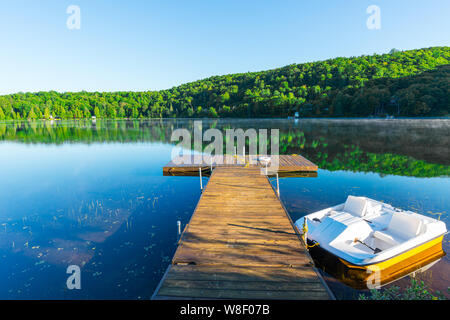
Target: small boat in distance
{"x": 366, "y": 236}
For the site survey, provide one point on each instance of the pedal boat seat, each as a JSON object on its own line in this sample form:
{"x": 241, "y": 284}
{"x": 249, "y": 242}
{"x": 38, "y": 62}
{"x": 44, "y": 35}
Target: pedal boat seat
{"x": 402, "y": 227}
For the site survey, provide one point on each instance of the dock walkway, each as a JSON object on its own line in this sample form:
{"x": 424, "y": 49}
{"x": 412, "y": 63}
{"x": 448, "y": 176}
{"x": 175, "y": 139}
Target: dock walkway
{"x": 241, "y": 244}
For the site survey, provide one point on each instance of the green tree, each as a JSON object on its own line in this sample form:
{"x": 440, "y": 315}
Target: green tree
{"x": 407, "y": 83}
{"x": 31, "y": 114}
{"x": 46, "y": 113}
{"x": 97, "y": 112}
{"x": 213, "y": 113}
{"x": 135, "y": 113}
{"x": 121, "y": 112}
{"x": 86, "y": 113}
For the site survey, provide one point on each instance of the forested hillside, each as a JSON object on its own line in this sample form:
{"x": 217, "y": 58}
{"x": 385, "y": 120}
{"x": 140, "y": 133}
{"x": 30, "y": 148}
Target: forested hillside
{"x": 401, "y": 83}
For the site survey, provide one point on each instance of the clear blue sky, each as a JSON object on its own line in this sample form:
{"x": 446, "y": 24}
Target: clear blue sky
{"x": 151, "y": 45}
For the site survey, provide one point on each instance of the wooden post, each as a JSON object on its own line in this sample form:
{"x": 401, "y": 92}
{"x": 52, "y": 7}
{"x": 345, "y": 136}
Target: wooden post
{"x": 200, "y": 172}
{"x": 278, "y": 186}
{"x": 179, "y": 227}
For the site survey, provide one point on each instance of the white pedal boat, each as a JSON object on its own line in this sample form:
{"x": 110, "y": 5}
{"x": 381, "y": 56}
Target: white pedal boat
{"x": 369, "y": 236}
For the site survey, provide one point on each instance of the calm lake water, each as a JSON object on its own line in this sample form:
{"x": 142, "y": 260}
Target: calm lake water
{"x": 93, "y": 195}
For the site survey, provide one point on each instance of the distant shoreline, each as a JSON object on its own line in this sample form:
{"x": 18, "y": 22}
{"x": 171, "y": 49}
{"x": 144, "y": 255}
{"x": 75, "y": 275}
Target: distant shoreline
{"x": 235, "y": 118}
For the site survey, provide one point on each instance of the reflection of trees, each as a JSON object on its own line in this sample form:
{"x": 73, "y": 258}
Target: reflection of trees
{"x": 356, "y": 160}
{"x": 422, "y": 139}
{"x": 410, "y": 148}
{"x": 332, "y": 155}
{"x": 85, "y": 131}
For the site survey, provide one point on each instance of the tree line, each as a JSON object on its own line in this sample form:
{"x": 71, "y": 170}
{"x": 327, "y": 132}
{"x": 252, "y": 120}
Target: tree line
{"x": 403, "y": 83}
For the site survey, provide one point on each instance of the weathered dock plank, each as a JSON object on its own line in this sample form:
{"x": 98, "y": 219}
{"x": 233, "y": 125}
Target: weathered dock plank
{"x": 241, "y": 244}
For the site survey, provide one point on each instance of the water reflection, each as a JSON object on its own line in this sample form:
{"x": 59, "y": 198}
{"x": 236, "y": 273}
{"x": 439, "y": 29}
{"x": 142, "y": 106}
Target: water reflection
{"x": 419, "y": 148}
{"x": 93, "y": 194}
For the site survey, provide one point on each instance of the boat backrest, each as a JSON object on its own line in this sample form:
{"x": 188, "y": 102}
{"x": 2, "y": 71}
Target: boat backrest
{"x": 405, "y": 225}
{"x": 355, "y": 205}
{"x": 373, "y": 208}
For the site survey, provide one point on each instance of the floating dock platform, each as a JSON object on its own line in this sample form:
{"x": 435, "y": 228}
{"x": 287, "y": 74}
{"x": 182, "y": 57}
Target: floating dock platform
{"x": 288, "y": 165}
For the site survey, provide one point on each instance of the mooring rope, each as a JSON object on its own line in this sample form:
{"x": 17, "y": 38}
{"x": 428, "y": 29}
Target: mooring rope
{"x": 304, "y": 231}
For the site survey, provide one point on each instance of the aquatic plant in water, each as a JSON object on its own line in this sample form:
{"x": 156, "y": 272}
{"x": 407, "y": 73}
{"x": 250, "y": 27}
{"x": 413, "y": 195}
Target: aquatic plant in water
{"x": 417, "y": 290}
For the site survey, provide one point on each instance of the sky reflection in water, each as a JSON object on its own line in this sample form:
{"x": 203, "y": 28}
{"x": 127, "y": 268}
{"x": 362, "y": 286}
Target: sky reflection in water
{"x": 107, "y": 207}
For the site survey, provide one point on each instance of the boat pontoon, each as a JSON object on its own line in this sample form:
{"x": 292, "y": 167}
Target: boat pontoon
{"x": 369, "y": 236}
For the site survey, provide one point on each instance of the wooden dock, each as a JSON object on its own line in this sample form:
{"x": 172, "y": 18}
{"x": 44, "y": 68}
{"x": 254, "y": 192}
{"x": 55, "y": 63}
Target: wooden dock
{"x": 288, "y": 165}
{"x": 241, "y": 244}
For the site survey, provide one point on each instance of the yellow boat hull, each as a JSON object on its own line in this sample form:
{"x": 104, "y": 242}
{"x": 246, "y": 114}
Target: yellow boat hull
{"x": 369, "y": 276}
